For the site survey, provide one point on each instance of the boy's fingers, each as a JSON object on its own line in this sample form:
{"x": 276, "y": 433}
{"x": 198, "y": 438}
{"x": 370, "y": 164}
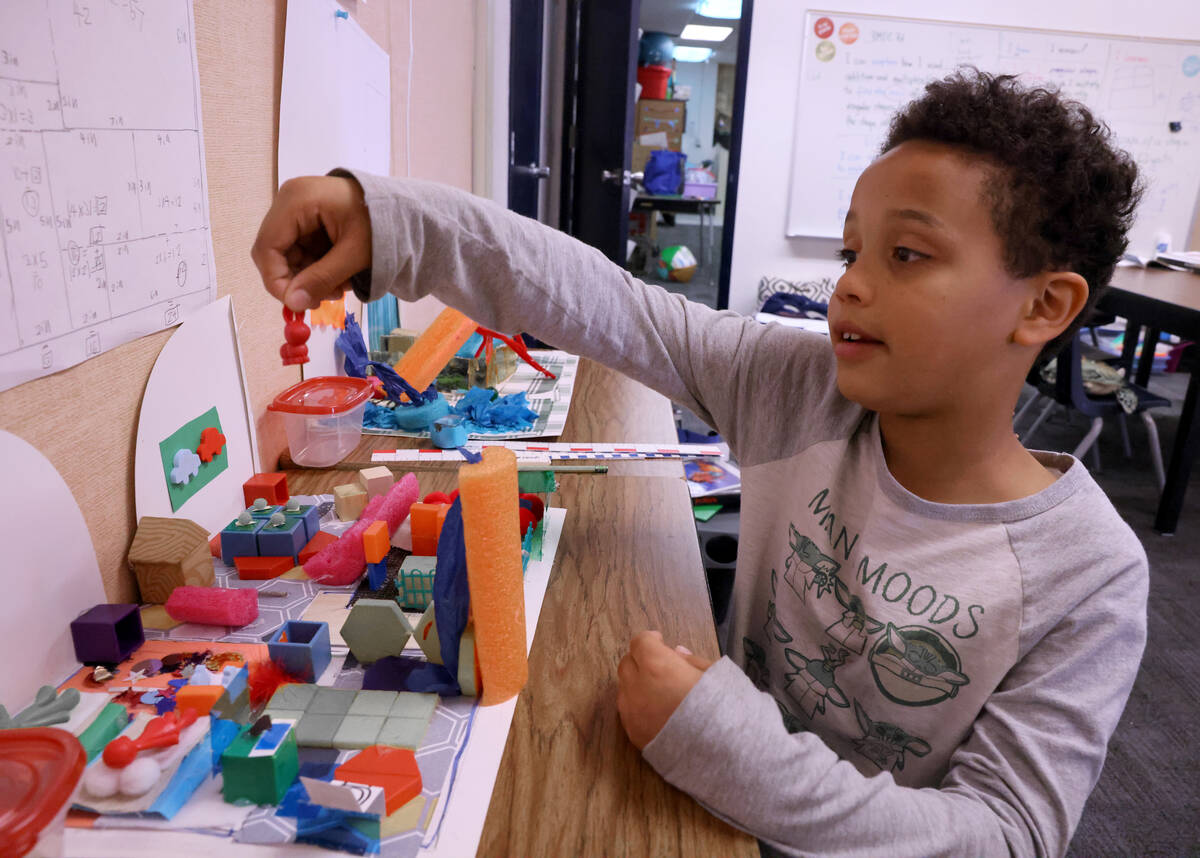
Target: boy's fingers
{"x": 322, "y": 279}
{"x": 697, "y": 662}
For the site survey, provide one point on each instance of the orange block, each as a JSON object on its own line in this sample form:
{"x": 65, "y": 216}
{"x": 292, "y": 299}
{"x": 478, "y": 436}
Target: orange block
{"x": 214, "y": 545}
{"x": 425, "y": 527}
{"x": 434, "y": 348}
{"x": 314, "y": 545}
{"x": 376, "y": 542}
{"x": 491, "y": 517}
{"x": 260, "y": 568}
{"x": 394, "y": 769}
{"x": 198, "y": 697}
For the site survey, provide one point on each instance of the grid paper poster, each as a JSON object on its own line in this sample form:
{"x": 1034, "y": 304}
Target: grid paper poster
{"x": 104, "y": 221}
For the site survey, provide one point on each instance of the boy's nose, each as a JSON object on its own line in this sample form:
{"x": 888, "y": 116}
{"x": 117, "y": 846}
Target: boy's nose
{"x": 852, "y": 288}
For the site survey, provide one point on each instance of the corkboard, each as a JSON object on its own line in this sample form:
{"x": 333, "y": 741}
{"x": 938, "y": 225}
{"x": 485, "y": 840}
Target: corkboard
{"x": 84, "y": 419}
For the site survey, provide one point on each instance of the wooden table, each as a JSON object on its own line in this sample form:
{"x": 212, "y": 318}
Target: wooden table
{"x": 570, "y": 783}
{"x": 1163, "y": 301}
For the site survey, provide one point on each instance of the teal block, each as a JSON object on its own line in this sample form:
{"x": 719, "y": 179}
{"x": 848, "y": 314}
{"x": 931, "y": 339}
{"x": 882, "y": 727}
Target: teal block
{"x": 358, "y": 731}
{"x": 372, "y": 703}
{"x": 292, "y": 696}
{"x": 403, "y": 732}
{"x": 317, "y": 731}
{"x": 331, "y": 701}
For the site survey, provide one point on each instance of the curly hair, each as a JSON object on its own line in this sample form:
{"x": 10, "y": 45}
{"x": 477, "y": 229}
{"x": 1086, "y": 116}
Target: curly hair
{"x": 1063, "y": 196}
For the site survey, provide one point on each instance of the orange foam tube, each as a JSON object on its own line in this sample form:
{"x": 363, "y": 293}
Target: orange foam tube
{"x": 493, "y": 542}
{"x": 434, "y": 348}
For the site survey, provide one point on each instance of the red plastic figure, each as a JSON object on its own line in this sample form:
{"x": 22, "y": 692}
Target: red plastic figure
{"x": 159, "y": 733}
{"x": 296, "y": 333}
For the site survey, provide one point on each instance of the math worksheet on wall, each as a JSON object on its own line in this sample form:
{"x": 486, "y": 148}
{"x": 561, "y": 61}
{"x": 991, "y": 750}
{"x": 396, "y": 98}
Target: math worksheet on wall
{"x": 103, "y": 192}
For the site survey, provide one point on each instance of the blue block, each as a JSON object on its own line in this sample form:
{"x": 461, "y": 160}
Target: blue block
{"x": 306, "y": 651}
{"x": 283, "y": 541}
{"x": 376, "y": 574}
{"x": 239, "y": 540}
{"x": 311, "y": 516}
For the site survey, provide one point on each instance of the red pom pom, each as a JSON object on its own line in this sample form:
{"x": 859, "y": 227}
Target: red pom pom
{"x": 265, "y": 678}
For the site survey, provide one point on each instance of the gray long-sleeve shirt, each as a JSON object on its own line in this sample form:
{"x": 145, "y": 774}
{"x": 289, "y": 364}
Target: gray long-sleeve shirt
{"x": 906, "y": 678}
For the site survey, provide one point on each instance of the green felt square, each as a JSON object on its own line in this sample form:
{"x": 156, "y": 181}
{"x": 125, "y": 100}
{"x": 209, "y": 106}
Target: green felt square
{"x": 292, "y": 696}
{"x": 403, "y": 732}
{"x": 187, "y": 437}
{"x": 331, "y": 701}
{"x": 410, "y": 704}
{"x": 372, "y": 703}
{"x": 358, "y": 731}
{"x": 317, "y": 731}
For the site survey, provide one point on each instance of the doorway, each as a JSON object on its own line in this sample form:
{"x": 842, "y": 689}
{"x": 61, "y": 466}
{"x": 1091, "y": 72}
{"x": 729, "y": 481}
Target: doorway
{"x": 611, "y": 125}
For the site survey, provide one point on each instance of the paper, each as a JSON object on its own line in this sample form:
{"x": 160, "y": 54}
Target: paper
{"x": 103, "y": 190}
{"x": 198, "y": 370}
{"x": 655, "y": 138}
{"x": 185, "y": 443}
{"x": 334, "y": 111}
{"x": 528, "y": 452}
{"x": 51, "y": 571}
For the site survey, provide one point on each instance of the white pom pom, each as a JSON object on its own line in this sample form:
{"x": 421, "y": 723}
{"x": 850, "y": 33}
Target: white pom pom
{"x": 139, "y": 776}
{"x": 99, "y": 781}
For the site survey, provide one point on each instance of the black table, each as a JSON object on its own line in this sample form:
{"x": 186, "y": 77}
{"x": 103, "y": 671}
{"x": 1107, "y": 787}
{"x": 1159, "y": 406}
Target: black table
{"x": 677, "y": 204}
{"x": 1163, "y": 301}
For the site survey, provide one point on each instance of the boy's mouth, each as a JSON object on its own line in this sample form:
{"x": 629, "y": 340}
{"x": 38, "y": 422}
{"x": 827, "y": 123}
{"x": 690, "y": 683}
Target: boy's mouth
{"x": 850, "y": 341}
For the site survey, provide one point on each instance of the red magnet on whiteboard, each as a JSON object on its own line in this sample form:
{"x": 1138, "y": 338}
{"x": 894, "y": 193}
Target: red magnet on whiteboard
{"x": 848, "y": 33}
{"x": 296, "y": 333}
{"x": 823, "y": 28}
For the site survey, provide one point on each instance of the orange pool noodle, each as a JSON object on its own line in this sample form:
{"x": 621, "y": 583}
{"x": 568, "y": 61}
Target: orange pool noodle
{"x": 493, "y": 542}
{"x": 434, "y": 348}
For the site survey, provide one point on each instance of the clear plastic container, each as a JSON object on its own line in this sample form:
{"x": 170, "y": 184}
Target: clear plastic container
{"x": 323, "y": 418}
{"x": 40, "y": 769}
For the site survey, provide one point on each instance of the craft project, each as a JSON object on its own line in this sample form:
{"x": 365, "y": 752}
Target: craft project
{"x": 198, "y": 372}
{"x": 167, "y": 553}
{"x": 344, "y": 561}
{"x": 488, "y": 491}
{"x": 261, "y": 763}
{"x": 187, "y": 470}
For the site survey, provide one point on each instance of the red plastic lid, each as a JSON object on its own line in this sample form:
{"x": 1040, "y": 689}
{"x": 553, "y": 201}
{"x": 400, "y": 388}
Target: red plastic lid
{"x": 39, "y": 768}
{"x": 327, "y": 394}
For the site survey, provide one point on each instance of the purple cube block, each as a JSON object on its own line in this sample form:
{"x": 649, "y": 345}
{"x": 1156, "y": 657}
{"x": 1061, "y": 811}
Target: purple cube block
{"x": 107, "y": 634}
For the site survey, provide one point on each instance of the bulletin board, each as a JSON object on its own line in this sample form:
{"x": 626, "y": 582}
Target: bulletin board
{"x": 84, "y": 419}
{"x": 858, "y": 70}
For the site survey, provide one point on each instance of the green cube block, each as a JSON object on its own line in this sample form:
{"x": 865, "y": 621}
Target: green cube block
{"x": 260, "y": 769}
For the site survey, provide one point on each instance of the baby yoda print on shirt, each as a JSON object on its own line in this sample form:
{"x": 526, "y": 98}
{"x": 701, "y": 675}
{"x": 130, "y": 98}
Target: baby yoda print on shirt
{"x": 867, "y": 650}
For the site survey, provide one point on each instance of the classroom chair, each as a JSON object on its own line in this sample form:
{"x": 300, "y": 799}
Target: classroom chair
{"x": 1067, "y": 390}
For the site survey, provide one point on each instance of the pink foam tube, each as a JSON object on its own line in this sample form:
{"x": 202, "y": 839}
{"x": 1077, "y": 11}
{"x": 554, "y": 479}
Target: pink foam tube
{"x": 214, "y": 606}
{"x": 342, "y": 562}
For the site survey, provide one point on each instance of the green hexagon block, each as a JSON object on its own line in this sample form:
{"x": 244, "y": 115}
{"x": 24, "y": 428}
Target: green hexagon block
{"x": 376, "y": 628}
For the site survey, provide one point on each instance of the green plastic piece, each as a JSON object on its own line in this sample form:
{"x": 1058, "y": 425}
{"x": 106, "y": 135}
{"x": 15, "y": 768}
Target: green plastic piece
{"x": 48, "y": 708}
{"x": 292, "y": 696}
{"x": 260, "y": 779}
{"x": 414, "y": 582}
{"x": 704, "y": 512}
{"x": 372, "y": 702}
{"x": 331, "y": 701}
{"x": 536, "y": 482}
{"x": 106, "y": 726}
{"x": 317, "y": 731}
{"x": 358, "y": 731}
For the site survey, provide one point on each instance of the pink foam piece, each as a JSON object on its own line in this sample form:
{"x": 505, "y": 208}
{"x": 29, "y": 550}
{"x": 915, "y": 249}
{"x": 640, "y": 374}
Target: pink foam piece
{"x": 214, "y": 606}
{"x": 342, "y": 562}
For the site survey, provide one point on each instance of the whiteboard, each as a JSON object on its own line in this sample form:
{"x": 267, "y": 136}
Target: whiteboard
{"x": 858, "y": 70}
{"x": 104, "y": 223}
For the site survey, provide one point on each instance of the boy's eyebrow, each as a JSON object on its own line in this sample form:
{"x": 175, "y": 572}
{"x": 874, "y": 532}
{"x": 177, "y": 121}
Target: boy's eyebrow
{"x": 917, "y": 215}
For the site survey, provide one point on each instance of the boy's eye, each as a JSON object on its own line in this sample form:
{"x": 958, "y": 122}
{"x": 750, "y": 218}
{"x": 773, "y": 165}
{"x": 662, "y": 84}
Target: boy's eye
{"x": 847, "y": 256}
{"x": 907, "y": 254}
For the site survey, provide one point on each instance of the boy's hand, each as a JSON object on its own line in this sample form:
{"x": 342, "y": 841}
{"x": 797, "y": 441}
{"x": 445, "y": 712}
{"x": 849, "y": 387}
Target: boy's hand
{"x": 314, "y": 238}
{"x": 652, "y": 680}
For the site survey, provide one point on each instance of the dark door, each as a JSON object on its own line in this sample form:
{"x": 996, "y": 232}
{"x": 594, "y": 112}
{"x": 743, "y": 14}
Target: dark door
{"x": 525, "y": 168}
{"x": 600, "y": 70}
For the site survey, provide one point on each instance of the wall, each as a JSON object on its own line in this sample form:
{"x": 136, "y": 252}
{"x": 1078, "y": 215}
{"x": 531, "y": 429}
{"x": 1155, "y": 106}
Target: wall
{"x": 760, "y": 246}
{"x": 84, "y": 419}
{"x": 701, "y": 109}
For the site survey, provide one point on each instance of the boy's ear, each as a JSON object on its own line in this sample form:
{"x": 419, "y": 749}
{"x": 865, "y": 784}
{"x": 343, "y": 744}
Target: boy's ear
{"x": 1055, "y": 298}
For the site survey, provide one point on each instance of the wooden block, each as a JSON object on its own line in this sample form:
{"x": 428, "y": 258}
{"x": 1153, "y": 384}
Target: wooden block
{"x": 198, "y": 697}
{"x": 261, "y": 568}
{"x": 273, "y": 487}
{"x": 377, "y": 480}
{"x": 349, "y": 500}
{"x": 167, "y": 553}
{"x": 315, "y": 544}
{"x": 376, "y": 541}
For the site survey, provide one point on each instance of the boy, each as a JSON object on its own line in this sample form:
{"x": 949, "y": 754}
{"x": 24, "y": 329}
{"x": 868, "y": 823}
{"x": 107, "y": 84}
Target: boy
{"x": 933, "y": 630}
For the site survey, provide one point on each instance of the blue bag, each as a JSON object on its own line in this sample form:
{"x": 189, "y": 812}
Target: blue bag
{"x": 664, "y": 172}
